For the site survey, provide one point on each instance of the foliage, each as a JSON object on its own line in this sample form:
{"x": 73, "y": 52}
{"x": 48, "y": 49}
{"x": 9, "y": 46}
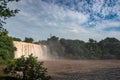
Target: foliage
{"x": 29, "y": 40}
{"x": 6, "y": 43}
{"x": 27, "y": 69}
{"x": 109, "y": 48}
{"x": 55, "y": 48}
{"x": 3, "y": 32}
{"x": 16, "y": 39}
{"x": 93, "y": 49}
{"x": 75, "y": 49}
{"x": 5, "y": 11}
{"x": 6, "y": 48}
{"x": 53, "y": 38}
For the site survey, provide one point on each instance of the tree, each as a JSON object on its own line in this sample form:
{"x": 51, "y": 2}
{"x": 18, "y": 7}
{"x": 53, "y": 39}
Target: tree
{"x": 74, "y": 49}
{"x": 29, "y": 40}
{"x": 110, "y": 48}
{"x": 93, "y": 48}
{"x": 6, "y": 42}
{"x": 3, "y": 32}
{"x": 16, "y": 39}
{"x": 55, "y": 48}
{"x": 5, "y": 11}
{"x": 53, "y": 38}
{"x": 6, "y": 48}
{"x": 28, "y": 68}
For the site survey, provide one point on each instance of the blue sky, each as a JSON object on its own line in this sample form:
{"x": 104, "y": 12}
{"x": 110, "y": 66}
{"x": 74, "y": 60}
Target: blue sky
{"x": 70, "y": 19}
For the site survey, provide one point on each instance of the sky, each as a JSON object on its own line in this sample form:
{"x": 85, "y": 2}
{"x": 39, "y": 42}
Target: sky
{"x": 69, "y": 19}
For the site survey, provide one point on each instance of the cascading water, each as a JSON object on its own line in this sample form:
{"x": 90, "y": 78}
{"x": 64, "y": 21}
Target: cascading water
{"x": 39, "y": 51}
{"x": 45, "y": 51}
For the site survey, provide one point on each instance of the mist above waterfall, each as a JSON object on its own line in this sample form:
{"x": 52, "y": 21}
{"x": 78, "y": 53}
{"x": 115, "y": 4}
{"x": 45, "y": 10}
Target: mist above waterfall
{"x": 56, "y": 50}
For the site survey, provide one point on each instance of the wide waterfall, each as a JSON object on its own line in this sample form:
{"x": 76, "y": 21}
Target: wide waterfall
{"x": 39, "y": 51}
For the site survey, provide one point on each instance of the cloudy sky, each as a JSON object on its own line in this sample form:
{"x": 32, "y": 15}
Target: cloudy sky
{"x": 70, "y": 19}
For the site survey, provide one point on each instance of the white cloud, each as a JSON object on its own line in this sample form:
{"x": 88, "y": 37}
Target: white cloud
{"x": 39, "y": 19}
{"x": 106, "y": 24}
{"x": 74, "y": 31}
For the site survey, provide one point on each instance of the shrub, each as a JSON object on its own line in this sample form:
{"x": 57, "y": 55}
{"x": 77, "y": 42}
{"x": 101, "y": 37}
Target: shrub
{"x": 6, "y": 48}
{"x": 27, "y": 69}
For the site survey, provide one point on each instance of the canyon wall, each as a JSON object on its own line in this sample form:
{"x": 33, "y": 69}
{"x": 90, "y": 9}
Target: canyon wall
{"x": 39, "y": 51}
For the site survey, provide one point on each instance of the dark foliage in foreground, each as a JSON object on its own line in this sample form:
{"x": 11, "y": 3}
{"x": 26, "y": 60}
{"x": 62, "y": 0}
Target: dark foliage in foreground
{"x": 27, "y": 69}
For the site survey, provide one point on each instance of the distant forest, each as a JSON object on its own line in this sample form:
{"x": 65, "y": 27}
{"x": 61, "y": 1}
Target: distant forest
{"x": 108, "y": 48}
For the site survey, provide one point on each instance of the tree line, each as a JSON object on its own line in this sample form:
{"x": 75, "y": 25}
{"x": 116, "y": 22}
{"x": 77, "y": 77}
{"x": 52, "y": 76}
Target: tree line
{"x": 108, "y": 48}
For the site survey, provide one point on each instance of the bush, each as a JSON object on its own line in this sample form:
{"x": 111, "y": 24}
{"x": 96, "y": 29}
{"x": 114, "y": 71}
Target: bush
{"x": 6, "y": 48}
{"x": 27, "y": 69}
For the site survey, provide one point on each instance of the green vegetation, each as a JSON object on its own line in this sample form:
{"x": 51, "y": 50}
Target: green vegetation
{"x": 3, "y": 32}
{"x": 28, "y": 40}
{"x": 27, "y": 69}
{"x": 55, "y": 47}
{"x": 6, "y": 46}
{"x": 109, "y": 48}
{"x": 94, "y": 49}
{"x": 6, "y": 42}
{"x": 16, "y": 39}
{"x": 5, "y": 11}
{"x": 74, "y": 49}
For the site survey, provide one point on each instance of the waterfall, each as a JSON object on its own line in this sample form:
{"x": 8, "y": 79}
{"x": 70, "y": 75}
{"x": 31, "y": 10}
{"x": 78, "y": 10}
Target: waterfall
{"x": 39, "y": 51}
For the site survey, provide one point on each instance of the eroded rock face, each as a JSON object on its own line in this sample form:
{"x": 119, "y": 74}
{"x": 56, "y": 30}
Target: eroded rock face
{"x": 27, "y": 49}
